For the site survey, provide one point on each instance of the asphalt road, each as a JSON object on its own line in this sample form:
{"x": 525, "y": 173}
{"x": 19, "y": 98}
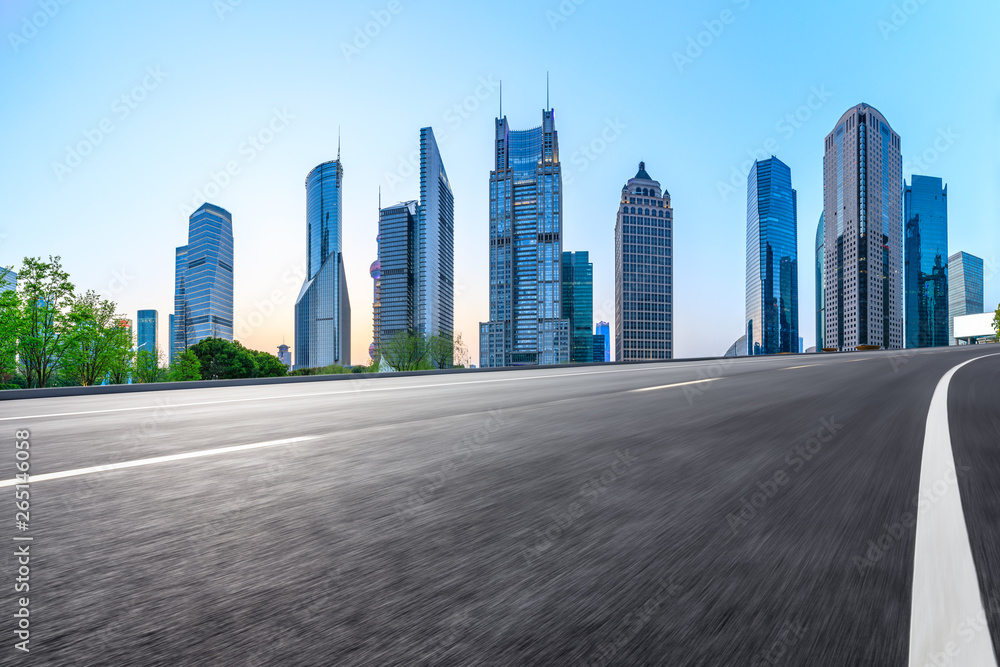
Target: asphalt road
{"x": 584, "y": 516}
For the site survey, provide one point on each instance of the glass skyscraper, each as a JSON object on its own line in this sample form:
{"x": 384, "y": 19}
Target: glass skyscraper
{"x": 323, "y": 307}
{"x": 644, "y": 271}
{"x": 820, "y": 282}
{"x": 146, "y": 321}
{"x": 9, "y": 282}
{"x": 203, "y": 281}
{"x": 863, "y": 219}
{"x": 578, "y": 304}
{"x": 435, "y": 239}
{"x": 965, "y": 289}
{"x": 604, "y": 329}
{"x": 526, "y": 326}
{"x": 772, "y": 284}
{"x": 397, "y": 250}
{"x": 925, "y": 261}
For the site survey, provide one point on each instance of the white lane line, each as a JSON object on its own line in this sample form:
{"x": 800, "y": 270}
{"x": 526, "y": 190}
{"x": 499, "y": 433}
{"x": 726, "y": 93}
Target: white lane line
{"x": 945, "y": 587}
{"x": 158, "y": 459}
{"x": 170, "y": 406}
{"x": 678, "y": 384}
{"x": 792, "y": 368}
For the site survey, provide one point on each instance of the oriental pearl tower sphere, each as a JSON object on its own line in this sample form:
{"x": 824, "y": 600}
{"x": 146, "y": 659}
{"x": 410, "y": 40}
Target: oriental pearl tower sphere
{"x": 376, "y": 273}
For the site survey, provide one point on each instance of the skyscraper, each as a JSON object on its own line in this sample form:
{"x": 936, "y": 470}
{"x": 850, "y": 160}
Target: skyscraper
{"x": 323, "y": 307}
{"x": 146, "y": 333}
{"x": 170, "y": 335}
{"x": 863, "y": 215}
{"x": 203, "y": 287}
{"x": 644, "y": 271}
{"x": 284, "y": 356}
{"x": 397, "y": 249}
{"x": 772, "y": 284}
{"x": 604, "y": 329}
{"x": 578, "y": 304}
{"x": 820, "y": 284}
{"x": 925, "y": 219}
{"x": 965, "y": 288}
{"x": 9, "y": 282}
{"x": 598, "y": 348}
{"x": 435, "y": 238}
{"x": 526, "y": 326}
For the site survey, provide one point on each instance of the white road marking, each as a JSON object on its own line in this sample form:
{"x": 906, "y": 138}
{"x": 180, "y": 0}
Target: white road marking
{"x": 153, "y": 461}
{"x": 678, "y": 384}
{"x": 945, "y": 587}
{"x": 170, "y": 406}
{"x": 792, "y": 368}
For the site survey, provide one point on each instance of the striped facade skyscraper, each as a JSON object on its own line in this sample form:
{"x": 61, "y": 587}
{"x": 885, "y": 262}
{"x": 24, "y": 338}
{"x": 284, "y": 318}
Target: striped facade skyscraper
{"x": 203, "y": 280}
{"x": 863, "y": 217}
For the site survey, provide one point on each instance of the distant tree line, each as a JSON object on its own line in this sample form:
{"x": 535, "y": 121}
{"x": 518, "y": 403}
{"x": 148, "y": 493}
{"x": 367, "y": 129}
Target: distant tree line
{"x": 51, "y": 335}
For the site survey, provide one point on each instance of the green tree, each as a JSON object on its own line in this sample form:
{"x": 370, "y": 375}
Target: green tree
{"x": 186, "y": 368}
{"x": 11, "y": 322}
{"x": 45, "y": 294}
{"x": 406, "y": 351}
{"x": 267, "y": 365}
{"x": 996, "y": 320}
{"x": 222, "y": 359}
{"x": 94, "y": 340}
{"x": 147, "y": 365}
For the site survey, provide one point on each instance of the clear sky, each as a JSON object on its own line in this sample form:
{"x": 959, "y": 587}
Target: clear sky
{"x": 694, "y": 89}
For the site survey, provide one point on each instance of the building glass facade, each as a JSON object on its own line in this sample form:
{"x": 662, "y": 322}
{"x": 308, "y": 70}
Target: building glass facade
{"x": 203, "y": 280}
{"x": 323, "y": 307}
{"x": 925, "y": 262}
{"x": 598, "y": 348}
{"x": 604, "y": 329}
{"x": 863, "y": 249}
{"x": 965, "y": 289}
{"x": 578, "y": 304}
{"x": 147, "y": 321}
{"x": 397, "y": 230}
{"x": 772, "y": 286}
{"x": 820, "y": 283}
{"x": 644, "y": 271}
{"x": 435, "y": 239}
{"x": 9, "y": 282}
{"x": 526, "y": 326}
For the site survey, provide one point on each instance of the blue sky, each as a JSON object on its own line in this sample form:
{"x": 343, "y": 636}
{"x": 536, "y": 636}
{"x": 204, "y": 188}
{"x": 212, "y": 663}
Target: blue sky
{"x": 694, "y": 89}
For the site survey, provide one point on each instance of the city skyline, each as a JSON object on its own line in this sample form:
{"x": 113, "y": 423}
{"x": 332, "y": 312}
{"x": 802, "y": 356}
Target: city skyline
{"x": 180, "y": 148}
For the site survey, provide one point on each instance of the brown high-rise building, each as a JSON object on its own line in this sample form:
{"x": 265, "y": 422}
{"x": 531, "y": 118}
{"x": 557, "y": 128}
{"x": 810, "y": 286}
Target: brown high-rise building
{"x": 644, "y": 322}
{"x": 863, "y": 215}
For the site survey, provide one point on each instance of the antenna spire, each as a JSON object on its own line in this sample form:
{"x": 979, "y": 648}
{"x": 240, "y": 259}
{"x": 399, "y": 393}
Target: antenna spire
{"x": 338, "y": 143}
{"x": 501, "y": 99}
{"x": 548, "y": 107}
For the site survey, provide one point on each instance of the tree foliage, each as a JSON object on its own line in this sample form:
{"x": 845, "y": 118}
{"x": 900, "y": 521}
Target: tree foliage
{"x": 96, "y": 343}
{"x": 222, "y": 359}
{"x": 45, "y": 293}
{"x": 996, "y": 320}
{"x": 147, "y": 366}
{"x": 186, "y": 367}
